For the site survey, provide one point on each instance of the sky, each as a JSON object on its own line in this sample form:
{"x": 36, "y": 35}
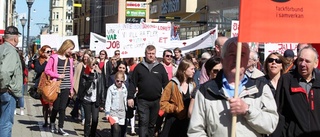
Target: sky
{"x": 39, "y": 13}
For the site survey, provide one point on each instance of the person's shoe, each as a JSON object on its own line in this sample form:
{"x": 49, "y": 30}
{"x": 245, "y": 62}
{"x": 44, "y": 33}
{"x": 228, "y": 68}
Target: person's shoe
{"x": 62, "y": 132}
{"x": 21, "y": 112}
{"x": 133, "y": 133}
{"x": 45, "y": 125}
{"x": 82, "y": 123}
{"x": 52, "y": 127}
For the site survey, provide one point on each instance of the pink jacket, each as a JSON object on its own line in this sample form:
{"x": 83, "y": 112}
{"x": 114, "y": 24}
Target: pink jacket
{"x": 52, "y": 69}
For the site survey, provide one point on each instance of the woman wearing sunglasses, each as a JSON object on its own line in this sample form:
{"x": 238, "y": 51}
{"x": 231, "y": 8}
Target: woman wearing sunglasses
{"x": 91, "y": 96}
{"x": 39, "y": 66}
{"x": 274, "y": 67}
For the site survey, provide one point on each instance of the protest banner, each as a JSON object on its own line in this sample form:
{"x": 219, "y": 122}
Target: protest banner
{"x": 274, "y": 21}
{"x": 234, "y": 28}
{"x": 128, "y": 38}
{"x": 279, "y": 47}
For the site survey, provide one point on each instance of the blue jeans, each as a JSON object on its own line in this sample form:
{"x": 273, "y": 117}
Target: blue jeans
{"x": 21, "y": 99}
{"x": 7, "y": 107}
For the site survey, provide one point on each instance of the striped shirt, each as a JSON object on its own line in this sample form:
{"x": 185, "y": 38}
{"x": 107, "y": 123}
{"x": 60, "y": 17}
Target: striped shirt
{"x": 65, "y": 84}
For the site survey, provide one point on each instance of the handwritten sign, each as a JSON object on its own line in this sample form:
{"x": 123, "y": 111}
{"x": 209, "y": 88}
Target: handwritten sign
{"x": 234, "y": 28}
{"x": 131, "y": 39}
{"x": 279, "y": 47}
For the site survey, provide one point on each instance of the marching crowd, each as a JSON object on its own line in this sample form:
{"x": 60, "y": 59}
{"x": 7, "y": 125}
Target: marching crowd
{"x": 173, "y": 96}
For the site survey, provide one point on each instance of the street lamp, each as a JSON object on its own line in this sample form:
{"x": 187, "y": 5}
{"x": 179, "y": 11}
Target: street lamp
{"x": 29, "y": 2}
{"x": 23, "y": 23}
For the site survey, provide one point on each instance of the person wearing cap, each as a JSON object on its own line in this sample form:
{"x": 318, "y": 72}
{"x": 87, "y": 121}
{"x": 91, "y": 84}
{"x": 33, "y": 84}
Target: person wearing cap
{"x": 289, "y": 56}
{"x": 11, "y": 79}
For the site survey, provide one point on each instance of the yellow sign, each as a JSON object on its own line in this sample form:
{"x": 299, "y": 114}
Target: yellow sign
{"x": 78, "y": 5}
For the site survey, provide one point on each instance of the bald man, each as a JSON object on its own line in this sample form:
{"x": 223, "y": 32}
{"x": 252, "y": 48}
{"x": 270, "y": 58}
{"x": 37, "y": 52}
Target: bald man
{"x": 216, "y": 52}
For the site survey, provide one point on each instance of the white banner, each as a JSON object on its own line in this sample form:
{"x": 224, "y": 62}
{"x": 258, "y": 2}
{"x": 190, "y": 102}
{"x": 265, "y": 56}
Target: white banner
{"x": 202, "y": 41}
{"x": 279, "y": 47}
{"x": 130, "y": 38}
{"x": 98, "y": 43}
{"x": 134, "y": 39}
{"x": 55, "y": 41}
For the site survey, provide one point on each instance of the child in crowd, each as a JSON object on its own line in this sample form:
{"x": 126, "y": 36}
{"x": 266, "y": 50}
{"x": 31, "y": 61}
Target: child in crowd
{"x": 116, "y": 106}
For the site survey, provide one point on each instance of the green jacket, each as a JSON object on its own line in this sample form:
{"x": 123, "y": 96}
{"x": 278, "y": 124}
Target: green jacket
{"x": 10, "y": 69}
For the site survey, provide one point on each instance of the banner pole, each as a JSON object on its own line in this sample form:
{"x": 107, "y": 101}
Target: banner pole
{"x": 236, "y": 89}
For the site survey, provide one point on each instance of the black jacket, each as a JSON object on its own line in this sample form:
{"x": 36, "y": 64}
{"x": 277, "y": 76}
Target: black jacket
{"x": 85, "y": 83}
{"x": 149, "y": 82}
{"x": 299, "y": 112}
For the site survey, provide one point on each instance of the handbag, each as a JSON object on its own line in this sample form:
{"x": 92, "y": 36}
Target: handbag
{"x": 48, "y": 88}
{"x": 34, "y": 93}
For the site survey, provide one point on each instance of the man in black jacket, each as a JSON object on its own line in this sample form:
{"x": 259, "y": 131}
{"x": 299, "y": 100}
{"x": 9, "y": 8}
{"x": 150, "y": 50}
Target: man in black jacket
{"x": 298, "y": 98}
{"x": 150, "y": 77}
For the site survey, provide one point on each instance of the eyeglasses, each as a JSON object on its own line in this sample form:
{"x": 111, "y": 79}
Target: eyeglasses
{"x": 49, "y": 51}
{"x": 168, "y": 56}
{"x": 216, "y": 70}
{"x": 270, "y": 60}
{"x": 117, "y": 54}
{"x": 119, "y": 81}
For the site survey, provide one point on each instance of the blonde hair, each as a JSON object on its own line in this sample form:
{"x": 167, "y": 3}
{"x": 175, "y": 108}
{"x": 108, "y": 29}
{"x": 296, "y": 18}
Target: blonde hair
{"x": 65, "y": 46}
{"x": 119, "y": 74}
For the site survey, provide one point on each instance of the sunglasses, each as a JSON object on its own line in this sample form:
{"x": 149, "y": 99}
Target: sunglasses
{"x": 168, "y": 56}
{"x": 216, "y": 70}
{"x": 117, "y": 54}
{"x": 119, "y": 81}
{"x": 49, "y": 51}
{"x": 270, "y": 60}
{"x": 102, "y": 54}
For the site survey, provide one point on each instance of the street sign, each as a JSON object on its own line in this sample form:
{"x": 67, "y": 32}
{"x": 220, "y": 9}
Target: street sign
{"x": 168, "y": 18}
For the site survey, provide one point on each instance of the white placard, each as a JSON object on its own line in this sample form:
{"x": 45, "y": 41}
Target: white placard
{"x": 124, "y": 37}
{"x": 55, "y": 41}
{"x": 279, "y": 47}
{"x": 234, "y": 28}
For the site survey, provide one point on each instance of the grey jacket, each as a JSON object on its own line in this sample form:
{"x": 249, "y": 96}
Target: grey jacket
{"x": 11, "y": 75}
{"x": 211, "y": 112}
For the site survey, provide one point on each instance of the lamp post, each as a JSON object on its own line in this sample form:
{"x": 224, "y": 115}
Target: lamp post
{"x": 23, "y": 23}
{"x": 29, "y": 2}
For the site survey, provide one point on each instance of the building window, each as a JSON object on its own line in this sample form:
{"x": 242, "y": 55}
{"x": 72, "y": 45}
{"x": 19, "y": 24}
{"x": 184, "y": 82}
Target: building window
{"x": 57, "y": 15}
{"x": 55, "y": 3}
{"x": 55, "y": 28}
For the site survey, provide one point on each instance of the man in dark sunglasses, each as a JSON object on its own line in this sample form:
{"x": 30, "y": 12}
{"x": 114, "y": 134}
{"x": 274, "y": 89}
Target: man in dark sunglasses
{"x": 117, "y": 55}
{"x": 298, "y": 97}
{"x": 168, "y": 64}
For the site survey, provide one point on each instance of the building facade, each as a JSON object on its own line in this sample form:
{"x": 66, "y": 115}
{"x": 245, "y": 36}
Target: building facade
{"x": 61, "y": 17}
{"x": 8, "y": 15}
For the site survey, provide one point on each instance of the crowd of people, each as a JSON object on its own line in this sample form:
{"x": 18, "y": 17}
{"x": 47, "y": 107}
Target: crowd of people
{"x": 173, "y": 96}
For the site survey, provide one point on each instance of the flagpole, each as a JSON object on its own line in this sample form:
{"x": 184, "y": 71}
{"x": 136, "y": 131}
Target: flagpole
{"x": 236, "y": 89}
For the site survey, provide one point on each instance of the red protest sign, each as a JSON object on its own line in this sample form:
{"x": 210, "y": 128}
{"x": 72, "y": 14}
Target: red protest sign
{"x": 279, "y": 21}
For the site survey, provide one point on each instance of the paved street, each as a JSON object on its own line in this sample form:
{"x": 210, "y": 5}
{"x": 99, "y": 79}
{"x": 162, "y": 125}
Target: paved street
{"x": 30, "y": 124}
